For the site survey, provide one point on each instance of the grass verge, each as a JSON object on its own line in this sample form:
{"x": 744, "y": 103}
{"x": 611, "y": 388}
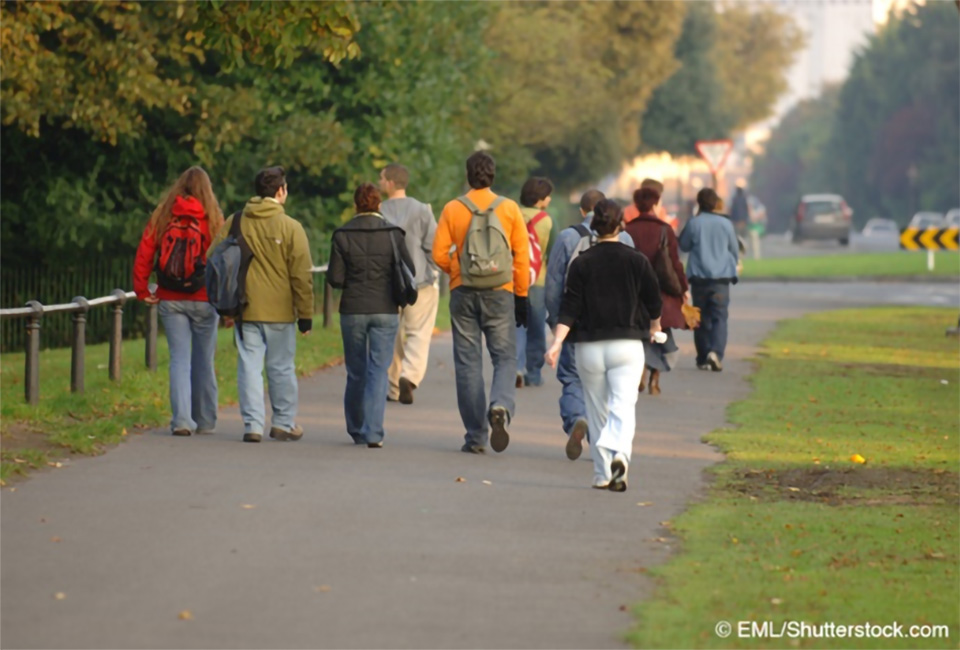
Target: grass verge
{"x": 795, "y": 529}
{"x": 64, "y": 422}
{"x": 946, "y": 263}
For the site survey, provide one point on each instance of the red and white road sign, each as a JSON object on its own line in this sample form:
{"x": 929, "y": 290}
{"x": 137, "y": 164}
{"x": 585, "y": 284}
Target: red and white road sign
{"x": 715, "y": 152}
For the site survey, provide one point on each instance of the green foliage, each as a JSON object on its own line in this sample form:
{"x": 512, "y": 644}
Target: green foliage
{"x": 733, "y": 68}
{"x": 690, "y": 105}
{"x": 897, "y": 111}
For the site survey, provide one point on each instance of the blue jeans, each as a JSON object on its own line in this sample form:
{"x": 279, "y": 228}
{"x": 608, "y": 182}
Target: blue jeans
{"x": 572, "y": 406}
{"x": 475, "y": 314}
{"x": 275, "y": 343}
{"x": 191, "y": 329}
{"x": 713, "y": 299}
{"x": 532, "y": 340}
{"x": 368, "y": 342}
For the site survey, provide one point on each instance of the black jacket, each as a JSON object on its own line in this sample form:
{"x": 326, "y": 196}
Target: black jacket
{"x": 362, "y": 264}
{"x": 612, "y": 293}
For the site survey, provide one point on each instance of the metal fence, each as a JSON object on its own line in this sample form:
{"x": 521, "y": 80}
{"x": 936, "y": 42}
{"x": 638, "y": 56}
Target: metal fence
{"x": 79, "y": 310}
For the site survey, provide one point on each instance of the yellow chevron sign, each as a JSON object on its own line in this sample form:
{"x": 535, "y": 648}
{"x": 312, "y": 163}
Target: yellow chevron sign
{"x": 931, "y": 239}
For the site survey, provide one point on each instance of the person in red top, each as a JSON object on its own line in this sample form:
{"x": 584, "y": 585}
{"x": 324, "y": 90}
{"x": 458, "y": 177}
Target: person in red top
{"x": 647, "y": 230}
{"x": 174, "y": 245}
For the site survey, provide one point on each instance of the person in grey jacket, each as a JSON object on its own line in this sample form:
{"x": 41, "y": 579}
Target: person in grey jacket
{"x": 570, "y": 243}
{"x": 711, "y": 269}
{"x": 412, "y": 348}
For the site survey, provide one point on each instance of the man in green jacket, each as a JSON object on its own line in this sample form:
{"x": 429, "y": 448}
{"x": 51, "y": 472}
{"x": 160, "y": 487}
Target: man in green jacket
{"x": 279, "y": 289}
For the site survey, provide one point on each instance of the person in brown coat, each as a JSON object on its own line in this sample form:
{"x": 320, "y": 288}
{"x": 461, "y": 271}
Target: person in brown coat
{"x": 647, "y": 232}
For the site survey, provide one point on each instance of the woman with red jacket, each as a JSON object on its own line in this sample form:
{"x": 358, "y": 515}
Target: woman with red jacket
{"x": 174, "y": 244}
{"x": 647, "y": 232}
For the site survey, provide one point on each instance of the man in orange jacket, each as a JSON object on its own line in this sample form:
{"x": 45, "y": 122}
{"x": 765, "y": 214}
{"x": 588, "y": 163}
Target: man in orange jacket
{"x": 479, "y": 309}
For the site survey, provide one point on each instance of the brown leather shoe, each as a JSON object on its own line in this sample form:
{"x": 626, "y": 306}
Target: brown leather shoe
{"x": 654, "y": 382}
{"x": 643, "y": 380}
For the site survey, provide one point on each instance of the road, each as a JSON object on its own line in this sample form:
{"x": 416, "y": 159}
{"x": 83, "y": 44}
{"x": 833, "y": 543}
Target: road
{"x": 774, "y": 246}
{"x": 319, "y": 544}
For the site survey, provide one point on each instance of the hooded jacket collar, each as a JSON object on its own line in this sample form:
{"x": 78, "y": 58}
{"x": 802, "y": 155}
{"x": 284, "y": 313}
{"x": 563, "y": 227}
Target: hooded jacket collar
{"x": 187, "y": 206}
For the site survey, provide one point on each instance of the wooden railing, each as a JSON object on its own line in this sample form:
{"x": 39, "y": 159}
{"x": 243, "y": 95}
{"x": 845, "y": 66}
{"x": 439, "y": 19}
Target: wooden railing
{"x": 34, "y": 312}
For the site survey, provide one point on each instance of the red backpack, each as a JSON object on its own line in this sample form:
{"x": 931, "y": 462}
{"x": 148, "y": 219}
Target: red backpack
{"x": 536, "y": 252}
{"x": 181, "y": 266}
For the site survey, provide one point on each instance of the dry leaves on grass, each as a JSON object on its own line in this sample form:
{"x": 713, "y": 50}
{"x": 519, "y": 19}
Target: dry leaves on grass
{"x": 460, "y": 479}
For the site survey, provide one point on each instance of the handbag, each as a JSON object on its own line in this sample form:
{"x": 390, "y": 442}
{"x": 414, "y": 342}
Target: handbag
{"x": 404, "y": 285}
{"x": 662, "y": 265}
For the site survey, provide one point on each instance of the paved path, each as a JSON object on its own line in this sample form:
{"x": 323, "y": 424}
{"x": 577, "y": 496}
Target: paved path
{"x": 319, "y": 544}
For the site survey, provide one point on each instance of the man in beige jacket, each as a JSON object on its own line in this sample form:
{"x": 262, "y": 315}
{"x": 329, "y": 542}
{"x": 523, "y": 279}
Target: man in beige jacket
{"x": 279, "y": 291}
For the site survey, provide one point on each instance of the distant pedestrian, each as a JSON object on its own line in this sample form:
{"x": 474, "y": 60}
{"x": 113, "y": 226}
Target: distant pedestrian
{"x": 174, "y": 244}
{"x": 279, "y": 289}
{"x": 658, "y": 242}
{"x": 612, "y": 298}
{"x": 412, "y": 349}
{"x": 711, "y": 269}
{"x": 362, "y": 263}
{"x": 571, "y": 242}
{"x": 740, "y": 211}
{"x": 482, "y": 243}
{"x": 532, "y": 340}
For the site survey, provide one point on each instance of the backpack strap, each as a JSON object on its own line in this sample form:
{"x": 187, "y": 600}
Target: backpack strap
{"x": 235, "y": 224}
{"x": 470, "y": 205}
{"x": 583, "y": 230}
{"x": 537, "y": 218}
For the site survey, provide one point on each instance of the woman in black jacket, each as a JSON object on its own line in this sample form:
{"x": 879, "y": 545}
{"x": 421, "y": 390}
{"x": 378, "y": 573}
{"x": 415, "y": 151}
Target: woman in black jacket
{"x": 362, "y": 263}
{"x": 612, "y": 303}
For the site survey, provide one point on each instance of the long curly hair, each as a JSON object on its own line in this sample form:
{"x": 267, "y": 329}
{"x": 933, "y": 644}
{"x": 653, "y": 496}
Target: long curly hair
{"x": 196, "y": 183}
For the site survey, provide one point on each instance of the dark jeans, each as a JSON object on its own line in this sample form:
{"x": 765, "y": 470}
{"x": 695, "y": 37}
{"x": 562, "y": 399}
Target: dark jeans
{"x": 532, "y": 340}
{"x": 572, "y": 406}
{"x": 368, "y": 341}
{"x": 474, "y": 315}
{"x": 713, "y": 299}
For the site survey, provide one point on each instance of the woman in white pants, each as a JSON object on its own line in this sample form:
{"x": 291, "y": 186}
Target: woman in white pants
{"x": 610, "y": 306}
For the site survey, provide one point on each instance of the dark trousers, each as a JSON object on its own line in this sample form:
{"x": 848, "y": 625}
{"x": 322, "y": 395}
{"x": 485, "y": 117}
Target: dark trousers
{"x": 713, "y": 299}
{"x": 476, "y": 315}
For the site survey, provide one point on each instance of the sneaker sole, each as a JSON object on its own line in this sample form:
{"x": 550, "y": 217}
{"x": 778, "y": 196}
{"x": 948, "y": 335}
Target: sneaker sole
{"x": 252, "y": 437}
{"x": 182, "y": 433}
{"x": 575, "y": 441}
{"x": 499, "y": 438}
{"x": 619, "y": 472}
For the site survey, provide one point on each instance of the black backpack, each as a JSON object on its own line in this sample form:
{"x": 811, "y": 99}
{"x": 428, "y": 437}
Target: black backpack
{"x": 226, "y": 274}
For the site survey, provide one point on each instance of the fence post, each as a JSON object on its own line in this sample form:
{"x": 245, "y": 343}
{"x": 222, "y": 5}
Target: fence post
{"x": 327, "y": 302}
{"x": 32, "y": 371}
{"x": 151, "y": 351}
{"x": 78, "y": 345}
{"x": 116, "y": 334}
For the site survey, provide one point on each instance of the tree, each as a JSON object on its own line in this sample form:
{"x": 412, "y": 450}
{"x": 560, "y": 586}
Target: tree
{"x": 754, "y": 48}
{"x": 733, "y": 69}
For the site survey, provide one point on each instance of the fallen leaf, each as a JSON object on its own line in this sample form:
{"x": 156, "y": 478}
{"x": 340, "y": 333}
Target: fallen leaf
{"x": 487, "y": 483}
{"x": 793, "y": 489}
{"x": 322, "y": 589}
{"x": 19, "y": 460}
{"x": 123, "y": 432}
{"x": 776, "y": 601}
{"x": 247, "y": 506}
{"x": 185, "y": 615}
{"x": 460, "y": 479}
{"x": 623, "y": 608}
{"x": 857, "y": 458}
{"x": 59, "y": 595}
{"x": 56, "y": 464}
{"x": 644, "y": 504}
{"x": 944, "y": 382}
{"x": 734, "y": 540}
{"x": 936, "y": 556}
{"x": 55, "y": 539}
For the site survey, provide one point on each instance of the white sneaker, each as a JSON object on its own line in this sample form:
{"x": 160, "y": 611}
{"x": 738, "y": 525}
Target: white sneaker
{"x": 600, "y": 483}
{"x": 618, "y": 469}
{"x": 713, "y": 360}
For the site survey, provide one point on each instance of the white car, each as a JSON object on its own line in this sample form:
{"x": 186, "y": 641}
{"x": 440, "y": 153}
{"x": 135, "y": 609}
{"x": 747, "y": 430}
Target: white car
{"x": 953, "y": 218}
{"x": 879, "y": 227}
{"x": 923, "y": 220}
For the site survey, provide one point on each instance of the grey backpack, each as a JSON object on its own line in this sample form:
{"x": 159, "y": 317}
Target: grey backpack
{"x": 486, "y": 260}
{"x": 587, "y": 240}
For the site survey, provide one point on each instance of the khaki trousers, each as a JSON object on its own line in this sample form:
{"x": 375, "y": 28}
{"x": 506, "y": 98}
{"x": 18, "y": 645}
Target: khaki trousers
{"x": 412, "y": 348}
